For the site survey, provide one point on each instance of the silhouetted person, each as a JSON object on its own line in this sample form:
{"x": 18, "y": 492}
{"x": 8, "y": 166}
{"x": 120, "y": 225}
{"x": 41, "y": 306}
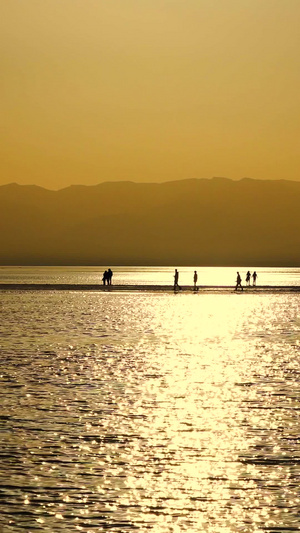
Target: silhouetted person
{"x": 248, "y": 276}
{"x": 105, "y": 279}
{"x": 176, "y": 278}
{"x": 195, "y": 280}
{"x": 254, "y": 276}
{"x": 238, "y": 282}
{"x": 109, "y": 276}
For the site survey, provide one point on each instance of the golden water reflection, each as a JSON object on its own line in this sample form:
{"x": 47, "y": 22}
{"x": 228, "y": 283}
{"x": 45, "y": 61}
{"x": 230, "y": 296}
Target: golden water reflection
{"x": 150, "y": 412}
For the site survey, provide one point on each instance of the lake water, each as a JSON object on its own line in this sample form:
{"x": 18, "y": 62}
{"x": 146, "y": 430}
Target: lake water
{"x": 147, "y": 275}
{"x": 149, "y": 411}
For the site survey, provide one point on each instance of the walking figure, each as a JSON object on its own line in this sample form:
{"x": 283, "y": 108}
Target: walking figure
{"x": 238, "y": 282}
{"x": 254, "y": 276}
{"x": 195, "y": 280}
{"x": 248, "y": 277}
{"x": 176, "y": 278}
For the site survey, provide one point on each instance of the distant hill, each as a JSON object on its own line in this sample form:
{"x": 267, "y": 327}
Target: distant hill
{"x": 191, "y": 222}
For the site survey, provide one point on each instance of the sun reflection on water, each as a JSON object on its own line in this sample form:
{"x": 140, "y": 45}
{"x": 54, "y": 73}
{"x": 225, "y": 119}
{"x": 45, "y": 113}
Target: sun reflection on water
{"x": 150, "y": 412}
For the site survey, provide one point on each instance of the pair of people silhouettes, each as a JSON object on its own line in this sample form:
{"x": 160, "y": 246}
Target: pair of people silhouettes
{"x": 107, "y": 277}
{"x": 176, "y": 279}
{"x": 248, "y": 278}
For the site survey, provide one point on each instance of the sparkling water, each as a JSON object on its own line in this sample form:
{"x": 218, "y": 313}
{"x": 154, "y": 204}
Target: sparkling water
{"x": 149, "y": 412}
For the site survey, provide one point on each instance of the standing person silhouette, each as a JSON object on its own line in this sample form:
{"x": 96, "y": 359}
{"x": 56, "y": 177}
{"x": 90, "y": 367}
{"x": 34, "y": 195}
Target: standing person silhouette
{"x": 248, "y": 276}
{"x": 238, "y": 282}
{"x": 176, "y": 278}
{"x": 109, "y": 276}
{"x": 105, "y": 279}
{"x": 195, "y": 280}
{"x": 254, "y": 276}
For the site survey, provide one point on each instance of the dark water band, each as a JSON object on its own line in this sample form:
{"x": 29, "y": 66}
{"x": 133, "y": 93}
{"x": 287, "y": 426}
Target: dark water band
{"x": 145, "y": 288}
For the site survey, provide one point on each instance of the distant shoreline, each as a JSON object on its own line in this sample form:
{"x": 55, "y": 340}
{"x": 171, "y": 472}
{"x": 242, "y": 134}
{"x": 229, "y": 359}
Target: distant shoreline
{"x": 145, "y": 288}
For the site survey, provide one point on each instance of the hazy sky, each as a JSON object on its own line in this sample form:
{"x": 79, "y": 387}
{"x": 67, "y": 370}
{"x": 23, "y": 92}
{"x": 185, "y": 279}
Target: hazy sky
{"x": 149, "y": 90}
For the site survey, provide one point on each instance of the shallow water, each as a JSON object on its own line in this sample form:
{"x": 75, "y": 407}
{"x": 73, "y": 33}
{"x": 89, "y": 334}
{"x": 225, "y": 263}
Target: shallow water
{"x": 148, "y": 275}
{"x": 149, "y": 412}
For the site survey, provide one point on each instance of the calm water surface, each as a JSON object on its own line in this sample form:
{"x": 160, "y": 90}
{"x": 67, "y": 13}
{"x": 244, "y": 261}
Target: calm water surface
{"x": 149, "y": 412}
{"x": 147, "y": 275}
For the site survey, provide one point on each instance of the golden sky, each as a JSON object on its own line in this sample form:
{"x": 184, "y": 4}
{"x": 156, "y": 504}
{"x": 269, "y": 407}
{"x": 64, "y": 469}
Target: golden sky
{"x": 148, "y": 90}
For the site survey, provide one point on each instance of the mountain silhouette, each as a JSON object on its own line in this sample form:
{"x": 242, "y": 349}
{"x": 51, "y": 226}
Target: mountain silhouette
{"x": 190, "y": 222}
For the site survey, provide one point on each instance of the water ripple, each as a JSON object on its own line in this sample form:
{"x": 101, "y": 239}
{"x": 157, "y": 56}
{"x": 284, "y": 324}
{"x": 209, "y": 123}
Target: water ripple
{"x": 149, "y": 412}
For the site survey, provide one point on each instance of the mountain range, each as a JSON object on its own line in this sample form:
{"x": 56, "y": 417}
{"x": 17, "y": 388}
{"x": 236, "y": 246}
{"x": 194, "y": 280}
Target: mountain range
{"x": 190, "y": 222}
